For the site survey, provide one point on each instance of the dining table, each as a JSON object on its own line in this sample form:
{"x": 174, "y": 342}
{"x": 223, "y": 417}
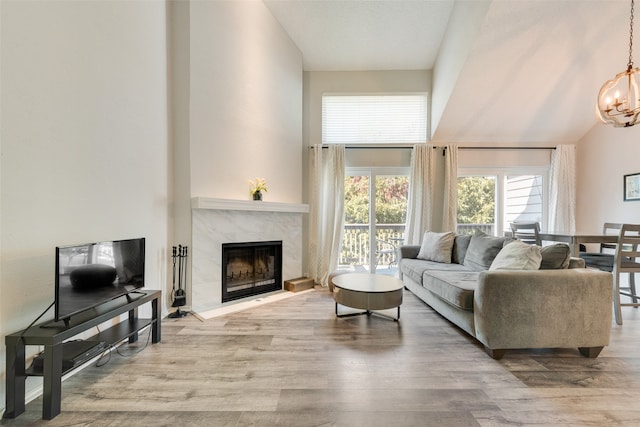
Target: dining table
{"x": 574, "y": 240}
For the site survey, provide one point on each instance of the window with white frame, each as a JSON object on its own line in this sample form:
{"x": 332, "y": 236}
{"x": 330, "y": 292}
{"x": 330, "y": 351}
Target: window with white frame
{"x": 375, "y": 216}
{"x": 374, "y": 118}
{"x": 490, "y": 199}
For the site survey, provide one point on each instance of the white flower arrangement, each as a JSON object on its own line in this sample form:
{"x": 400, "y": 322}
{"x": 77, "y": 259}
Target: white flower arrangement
{"x": 257, "y": 186}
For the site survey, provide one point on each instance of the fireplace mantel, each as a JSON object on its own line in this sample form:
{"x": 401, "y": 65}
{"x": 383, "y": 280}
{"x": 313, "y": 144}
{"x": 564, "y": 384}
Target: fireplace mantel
{"x": 247, "y": 205}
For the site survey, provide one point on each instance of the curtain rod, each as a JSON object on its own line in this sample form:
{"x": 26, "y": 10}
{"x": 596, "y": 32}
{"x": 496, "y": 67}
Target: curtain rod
{"x": 410, "y": 147}
{"x": 506, "y": 148}
{"x": 369, "y": 147}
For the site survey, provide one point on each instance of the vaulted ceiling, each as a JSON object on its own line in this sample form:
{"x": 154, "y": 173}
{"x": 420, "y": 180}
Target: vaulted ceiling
{"x": 504, "y": 71}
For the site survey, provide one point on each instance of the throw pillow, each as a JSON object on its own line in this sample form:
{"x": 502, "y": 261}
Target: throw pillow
{"x": 482, "y": 250}
{"x": 437, "y": 247}
{"x": 517, "y": 256}
{"x": 556, "y": 256}
{"x": 460, "y": 246}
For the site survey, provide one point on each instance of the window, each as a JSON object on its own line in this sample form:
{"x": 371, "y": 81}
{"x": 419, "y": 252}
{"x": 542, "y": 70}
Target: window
{"x": 371, "y": 119}
{"x": 490, "y": 200}
{"x": 476, "y": 204}
{"x": 376, "y": 185}
{"x": 523, "y": 198}
{"x": 375, "y": 216}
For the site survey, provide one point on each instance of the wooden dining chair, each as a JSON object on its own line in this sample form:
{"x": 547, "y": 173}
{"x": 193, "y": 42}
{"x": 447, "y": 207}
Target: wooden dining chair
{"x": 626, "y": 261}
{"x": 527, "y": 232}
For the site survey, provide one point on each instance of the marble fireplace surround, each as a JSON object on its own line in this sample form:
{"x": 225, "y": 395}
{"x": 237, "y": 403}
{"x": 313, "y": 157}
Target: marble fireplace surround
{"x": 218, "y": 221}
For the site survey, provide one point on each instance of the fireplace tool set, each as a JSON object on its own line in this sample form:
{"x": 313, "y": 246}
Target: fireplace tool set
{"x": 179, "y": 297}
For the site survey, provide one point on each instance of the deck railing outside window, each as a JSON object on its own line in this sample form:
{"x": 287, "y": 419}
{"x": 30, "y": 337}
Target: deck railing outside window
{"x": 355, "y": 241}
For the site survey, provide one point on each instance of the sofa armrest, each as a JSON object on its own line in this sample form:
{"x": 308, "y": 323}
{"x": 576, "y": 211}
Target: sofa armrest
{"x": 576, "y": 262}
{"x": 408, "y": 251}
{"x": 543, "y": 308}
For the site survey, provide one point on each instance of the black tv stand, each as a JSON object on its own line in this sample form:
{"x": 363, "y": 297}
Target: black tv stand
{"x": 130, "y": 296}
{"x": 74, "y": 353}
{"x": 57, "y": 324}
{"x": 52, "y": 335}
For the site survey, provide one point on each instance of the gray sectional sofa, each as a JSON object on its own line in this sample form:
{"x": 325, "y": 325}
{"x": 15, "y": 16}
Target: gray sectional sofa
{"x": 505, "y": 302}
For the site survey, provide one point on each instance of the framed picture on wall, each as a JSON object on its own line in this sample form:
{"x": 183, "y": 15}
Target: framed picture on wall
{"x": 632, "y": 187}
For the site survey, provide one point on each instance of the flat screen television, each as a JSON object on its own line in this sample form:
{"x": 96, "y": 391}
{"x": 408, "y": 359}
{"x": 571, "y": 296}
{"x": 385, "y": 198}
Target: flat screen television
{"x": 91, "y": 274}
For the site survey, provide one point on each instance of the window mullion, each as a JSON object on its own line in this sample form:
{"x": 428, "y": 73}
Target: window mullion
{"x": 372, "y": 222}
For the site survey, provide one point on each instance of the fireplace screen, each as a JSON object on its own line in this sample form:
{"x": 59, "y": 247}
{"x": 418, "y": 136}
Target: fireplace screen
{"x": 251, "y": 268}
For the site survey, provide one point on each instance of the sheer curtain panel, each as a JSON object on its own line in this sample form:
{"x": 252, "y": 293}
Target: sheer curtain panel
{"x": 450, "y": 197}
{"x": 425, "y": 195}
{"x": 326, "y": 216}
{"x": 562, "y": 190}
{"x": 421, "y": 192}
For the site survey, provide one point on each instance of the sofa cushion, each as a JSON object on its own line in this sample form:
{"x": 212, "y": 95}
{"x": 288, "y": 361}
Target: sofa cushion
{"x": 437, "y": 247}
{"x": 517, "y": 256}
{"x": 555, "y": 256}
{"x": 460, "y": 246}
{"x": 482, "y": 251}
{"x": 454, "y": 287}
{"x": 415, "y": 268}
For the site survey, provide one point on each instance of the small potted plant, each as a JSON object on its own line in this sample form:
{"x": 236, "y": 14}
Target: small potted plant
{"x": 256, "y": 187}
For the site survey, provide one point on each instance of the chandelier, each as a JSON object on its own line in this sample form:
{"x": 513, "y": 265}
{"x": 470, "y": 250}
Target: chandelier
{"x": 619, "y": 99}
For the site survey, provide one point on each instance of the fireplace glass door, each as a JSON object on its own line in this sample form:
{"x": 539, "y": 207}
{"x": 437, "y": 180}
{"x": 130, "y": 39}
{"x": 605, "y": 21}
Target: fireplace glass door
{"x": 251, "y": 268}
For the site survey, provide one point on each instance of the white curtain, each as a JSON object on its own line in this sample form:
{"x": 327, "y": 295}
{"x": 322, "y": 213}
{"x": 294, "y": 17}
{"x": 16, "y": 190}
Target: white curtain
{"x": 562, "y": 190}
{"x": 450, "y": 197}
{"x": 429, "y": 164}
{"x": 421, "y": 193}
{"x": 326, "y": 216}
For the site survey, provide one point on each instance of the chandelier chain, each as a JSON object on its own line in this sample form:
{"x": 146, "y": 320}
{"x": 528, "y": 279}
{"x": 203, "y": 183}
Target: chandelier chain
{"x": 630, "y": 63}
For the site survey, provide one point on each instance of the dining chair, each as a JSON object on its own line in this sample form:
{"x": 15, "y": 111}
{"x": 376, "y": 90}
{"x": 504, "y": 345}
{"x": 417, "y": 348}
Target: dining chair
{"x": 626, "y": 261}
{"x": 603, "y": 259}
{"x": 618, "y": 258}
{"x": 526, "y": 231}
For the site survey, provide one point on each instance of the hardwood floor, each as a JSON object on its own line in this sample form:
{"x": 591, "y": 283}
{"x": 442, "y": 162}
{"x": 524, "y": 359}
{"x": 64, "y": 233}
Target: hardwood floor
{"x": 293, "y": 363}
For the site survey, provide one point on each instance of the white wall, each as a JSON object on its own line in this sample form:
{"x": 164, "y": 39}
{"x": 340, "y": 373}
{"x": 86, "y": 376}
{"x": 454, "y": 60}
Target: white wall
{"x": 464, "y": 24}
{"x": 179, "y": 54}
{"x": 236, "y": 107}
{"x": 84, "y": 141}
{"x": 604, "y": 156}
{"x": 246, "y": 103}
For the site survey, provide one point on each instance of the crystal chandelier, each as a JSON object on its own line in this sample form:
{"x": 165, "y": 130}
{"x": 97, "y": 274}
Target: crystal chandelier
{"x": 619, "y": 99}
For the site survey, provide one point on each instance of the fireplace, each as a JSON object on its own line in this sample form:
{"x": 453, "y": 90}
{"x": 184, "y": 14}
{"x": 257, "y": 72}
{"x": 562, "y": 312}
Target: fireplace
{"x": 251, "y": 268}
{"x": 215, "y": 222}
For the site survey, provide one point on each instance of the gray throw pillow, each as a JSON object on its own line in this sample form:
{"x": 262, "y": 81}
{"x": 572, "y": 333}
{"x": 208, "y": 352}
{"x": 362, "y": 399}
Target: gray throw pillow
{"x": 460, "y": 246}
{"x": 556, "y": 256}
{"x": 437, "y": 247}
{"x": 482, "y": 251}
